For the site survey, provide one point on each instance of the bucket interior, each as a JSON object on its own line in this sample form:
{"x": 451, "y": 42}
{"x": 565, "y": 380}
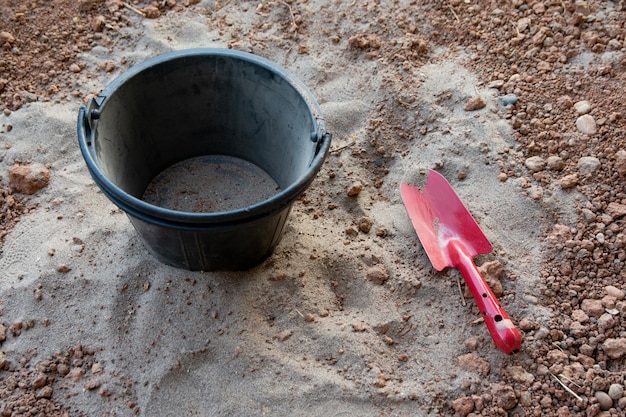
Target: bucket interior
{"x": 199, "y": 105}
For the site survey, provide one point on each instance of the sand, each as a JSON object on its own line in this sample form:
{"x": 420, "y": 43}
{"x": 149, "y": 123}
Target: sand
{"x": 311, "y": 330}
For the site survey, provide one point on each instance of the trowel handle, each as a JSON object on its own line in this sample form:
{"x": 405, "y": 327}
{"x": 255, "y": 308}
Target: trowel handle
{"x": 502, "y": 330}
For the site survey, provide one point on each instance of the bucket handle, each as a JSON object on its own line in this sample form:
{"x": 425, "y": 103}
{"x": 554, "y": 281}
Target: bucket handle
{"x": 320, "y": 139}
{"x": 87, "y": 119}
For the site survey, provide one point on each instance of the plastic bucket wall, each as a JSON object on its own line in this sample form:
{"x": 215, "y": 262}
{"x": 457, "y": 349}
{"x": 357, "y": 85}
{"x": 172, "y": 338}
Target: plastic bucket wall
{"x": 204, "y": 102}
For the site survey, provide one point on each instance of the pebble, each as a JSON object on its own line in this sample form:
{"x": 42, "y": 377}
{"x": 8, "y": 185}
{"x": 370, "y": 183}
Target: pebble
{"x": 616, "y": 391}
{"x": 509, "y": 99}
{"x": 377, "y": 274}
{"x": 365, "y": 224}
{"x": 471, "y": 343}
{"x": 588, "y": 164}
{"x": 620, "y": 161}
{"x": 606, "y": 321}
{"x": 28, "y": 179}
{"x": 505, "y": 396}
{"x": 284, "y": 335}
{"x": 6, "y": 37}
{"x": 463, "y": 405}
{"x": 586, "y": 124}
{"x": 535, "y": 163}
{"x": 616, "y": 210}
{"x": 74, "y": 68}
{"x": 604, "y": 400}
{"x": 474, "y": 103}
{"x": 614, "y": 348}
{"x": 582, "y": 107}
{"x": 519, "y": 374}
{"x": 355, "y": 189}
{"x": 555, "y": 163}
{"x": 614, "y": 292}
{"x": 475, "y": 363}
{"x": 529, "y": 298}
{"x": 569, "y": 181}
{"x": 593, "y": 308}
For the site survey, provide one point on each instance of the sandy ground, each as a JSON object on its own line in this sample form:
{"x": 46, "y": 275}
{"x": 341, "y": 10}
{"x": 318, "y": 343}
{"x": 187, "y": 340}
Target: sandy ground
{"x": 310, "y": 331}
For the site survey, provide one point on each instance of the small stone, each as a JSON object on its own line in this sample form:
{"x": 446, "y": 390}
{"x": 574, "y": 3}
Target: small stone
{"x": 614, "y": 348}
{"x": 39, "y": 381}
{"x": 523, "y": 24}
{"x": 519, "y": 374}
{"x": 588, "y": 165}
{"x": 74, "y": 68}
{"x": 45, "y": 392}
{"x": 616, "y": 391}
{"x": 471, "y": 343}
{"x": 6, "y": 37}
{"x": 620, "y": 162}
{"x": 614, "y": 292}
{"x": 582, "y": 107}
{"x": 92, "y": 384}
{"x": 509, "y": 99}
{"x": 475, "y": 363}
{"x": 495, "y": 84}
{"x": 563, "y": 412}
{"x": 109, "y": 66}
{"x": 365, "y": 224}
{"x": 502, "y": 177}
{"x": 377, "y": 275}
{"x": 359, "y": 327}
{"x": 599, "y": 384}
{"x": 62, "y": 268}
{"x": 527, "y": 325}
{"x": 580, "y": 316}
{"x": 592, "y": 307}
{"x": 555, "y": 163}
{"x": 16, "y": 328}
{"x": 355, "y": 189}
{"x": 152, "y": 12}
{"x": 97, "y": 23}
{"x": 564, "y": 102}
{"x": 474, "y": 103}
{"x": 96, "y": 368}
{"x": 28, "y": 179}
{"x": 535, "y": 163}
{"x": 3, "y": 333}
{"x": 284, "y": 335}
{"x": 504, "y": 395}
{"x": 75, "y": 374}
{"x": 557, "y": 356}
{"x": 308, "y": 317}
{"x": 569, "y": 181}
{"x": 492, "y": 271}
{"x": 616, "y": 210}
{"x": 586, "y": 124}
{"x": 604, "y": 400}
{"x": 463, "y": 405}
{"x": 606, "y": 321}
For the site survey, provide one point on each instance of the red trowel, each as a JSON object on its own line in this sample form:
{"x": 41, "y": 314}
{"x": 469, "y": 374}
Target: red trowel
{"x": 451, "y": 238}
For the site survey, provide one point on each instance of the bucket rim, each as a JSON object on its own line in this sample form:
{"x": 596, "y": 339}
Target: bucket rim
{"x": 130, "y": 204}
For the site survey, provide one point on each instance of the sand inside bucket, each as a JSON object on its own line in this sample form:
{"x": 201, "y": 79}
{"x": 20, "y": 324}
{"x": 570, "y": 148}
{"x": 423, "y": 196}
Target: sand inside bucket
{"x": 210, "y": 184}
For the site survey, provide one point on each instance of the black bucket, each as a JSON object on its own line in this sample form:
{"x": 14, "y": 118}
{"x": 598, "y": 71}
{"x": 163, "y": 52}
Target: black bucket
{"x": 238, "y": 109}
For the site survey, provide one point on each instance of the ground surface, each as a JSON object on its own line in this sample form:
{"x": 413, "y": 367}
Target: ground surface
{"x": 360, "y": 324}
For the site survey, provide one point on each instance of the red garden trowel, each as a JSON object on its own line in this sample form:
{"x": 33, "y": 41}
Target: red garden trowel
{"x": 451, "y": 238}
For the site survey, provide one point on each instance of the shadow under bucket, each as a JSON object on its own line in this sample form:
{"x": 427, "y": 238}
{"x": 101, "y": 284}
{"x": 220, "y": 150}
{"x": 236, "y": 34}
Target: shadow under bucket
{"x": 205, "y": 150}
